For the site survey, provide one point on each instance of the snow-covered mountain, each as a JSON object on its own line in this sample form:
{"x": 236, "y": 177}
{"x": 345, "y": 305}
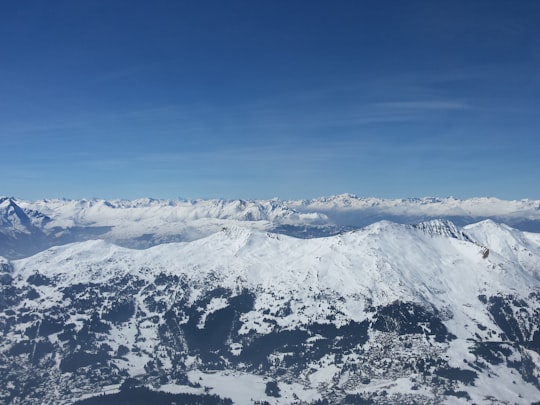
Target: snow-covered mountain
{"x": 21, "y": 230}
{"x": 139, "y": 223}
{"x": 389, "y": 313}
{"x": 350, "y": 210}
{"x": 27, "y": 227}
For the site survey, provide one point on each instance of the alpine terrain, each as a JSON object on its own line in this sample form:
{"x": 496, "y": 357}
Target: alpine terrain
{"x": 28, "y": 227}
{"x": 306, "y": 302}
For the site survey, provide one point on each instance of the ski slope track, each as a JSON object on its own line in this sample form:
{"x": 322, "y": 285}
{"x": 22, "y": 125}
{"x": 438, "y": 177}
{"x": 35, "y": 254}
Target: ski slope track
{"x": 389, "y": 313}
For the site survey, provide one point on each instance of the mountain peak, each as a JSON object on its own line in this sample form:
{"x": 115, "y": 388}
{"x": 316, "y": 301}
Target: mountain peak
{"x": 11, "y": 215}
{"x": 6, "y": 198}
{"x": 441, "y": 227}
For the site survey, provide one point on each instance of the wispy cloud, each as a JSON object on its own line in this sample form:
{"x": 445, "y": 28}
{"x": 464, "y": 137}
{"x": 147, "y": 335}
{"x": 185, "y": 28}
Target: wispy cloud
{"x": 430, "y": 105}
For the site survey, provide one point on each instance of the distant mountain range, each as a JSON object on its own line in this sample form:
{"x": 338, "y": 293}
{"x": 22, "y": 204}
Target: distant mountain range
{"x": 27, "y": 227}
{"x": 425, "y": 313}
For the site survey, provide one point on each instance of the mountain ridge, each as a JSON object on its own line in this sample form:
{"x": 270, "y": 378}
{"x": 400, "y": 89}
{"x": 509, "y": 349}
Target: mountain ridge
{"x": 147, "y": 222}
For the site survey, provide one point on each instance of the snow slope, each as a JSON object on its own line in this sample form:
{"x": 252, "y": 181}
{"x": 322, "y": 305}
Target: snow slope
{"x": 389, "y": 312}
{"x": 405, "y": 257}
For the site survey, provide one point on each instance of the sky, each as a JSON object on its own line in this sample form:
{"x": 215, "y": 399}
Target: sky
{"x": 260, "y": 99}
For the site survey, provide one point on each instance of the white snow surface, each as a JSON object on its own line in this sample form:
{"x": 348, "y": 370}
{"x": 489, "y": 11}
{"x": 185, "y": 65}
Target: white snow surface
{"x": 382, "y": 263}
{"x": 516, "y": 246}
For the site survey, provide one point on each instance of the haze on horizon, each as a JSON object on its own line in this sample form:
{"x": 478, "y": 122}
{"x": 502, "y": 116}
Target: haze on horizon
{"x": 244, "y": 99}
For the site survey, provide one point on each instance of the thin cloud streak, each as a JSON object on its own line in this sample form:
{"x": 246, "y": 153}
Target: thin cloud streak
{"x": 427, "y": 105}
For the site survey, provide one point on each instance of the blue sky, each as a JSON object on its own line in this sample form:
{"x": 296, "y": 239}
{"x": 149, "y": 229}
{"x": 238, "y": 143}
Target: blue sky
{"x": 255, "y": 99}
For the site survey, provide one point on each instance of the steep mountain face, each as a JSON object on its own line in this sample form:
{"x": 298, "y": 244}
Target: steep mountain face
{"x": 441, "y": 227}
{"x": 14, "y": 218}
{"x": 519, "y": 247}
{"x": 21, "y": 231}
{"x": 27, "y": 227}
{"x": 385, "y": 314}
